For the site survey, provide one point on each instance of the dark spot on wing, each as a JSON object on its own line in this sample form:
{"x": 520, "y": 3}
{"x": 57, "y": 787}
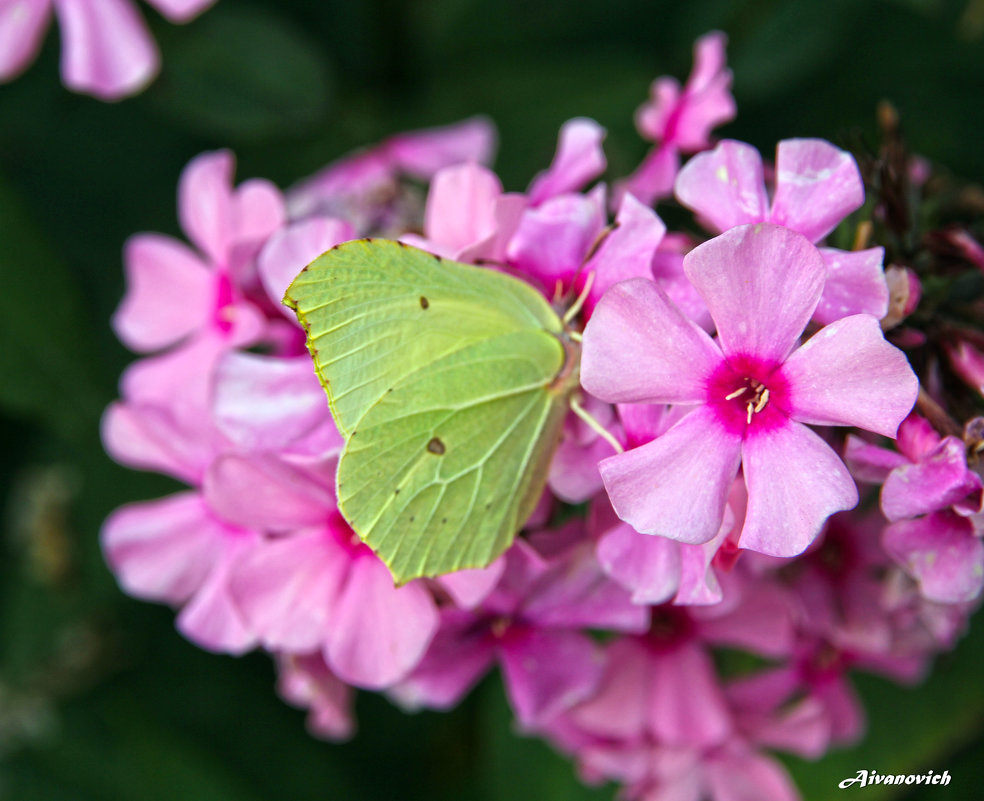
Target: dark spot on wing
{"x": 436, "y": 446}
{"x": 424, "y": 303}
{"x": 444, "y": 520}
{"x": 396, "y": 491}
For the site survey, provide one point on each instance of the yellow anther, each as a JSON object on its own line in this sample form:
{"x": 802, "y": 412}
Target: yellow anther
{"x": 763, "y": 399}
{"x": 735, "y": 394}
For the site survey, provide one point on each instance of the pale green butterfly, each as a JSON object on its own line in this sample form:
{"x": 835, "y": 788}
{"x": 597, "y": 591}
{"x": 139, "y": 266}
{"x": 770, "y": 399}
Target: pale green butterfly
{"x": 450, "y": 384}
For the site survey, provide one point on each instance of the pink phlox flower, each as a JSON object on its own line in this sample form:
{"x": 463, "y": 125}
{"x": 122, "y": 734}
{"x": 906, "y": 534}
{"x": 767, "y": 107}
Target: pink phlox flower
{"x": 311, "y": 585}
{"x": 532, "y": 625}
{"x": 927, "y": 474}
{"x": 680, "y": 121}
{"x": 367, "y": 187}
{"x": 813, "y": 684}
{"x": 305, "y": 681}
{"x": 174, "y": 292}
{"x": 934, "y": 502}
{"x": 817, "y": 185}
{"x": 563, "y": 244}
{"x": 752, "y": 390}
{"x": 108, "y": 51}
{"x": 177, "y": 550}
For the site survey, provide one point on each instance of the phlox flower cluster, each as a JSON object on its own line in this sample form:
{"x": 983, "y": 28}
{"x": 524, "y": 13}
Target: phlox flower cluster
{"x": 742, "y": 384}
{"x": 107, "y": 50}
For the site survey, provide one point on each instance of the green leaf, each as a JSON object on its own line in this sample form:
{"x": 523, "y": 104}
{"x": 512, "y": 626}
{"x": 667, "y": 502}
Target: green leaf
{"x": 450, "y": 383}
{"x": 243, "y": 74}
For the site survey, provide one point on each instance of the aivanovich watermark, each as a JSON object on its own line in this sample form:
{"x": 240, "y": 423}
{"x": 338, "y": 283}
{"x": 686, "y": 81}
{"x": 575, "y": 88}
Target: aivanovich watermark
{"x": 867, "y": 777}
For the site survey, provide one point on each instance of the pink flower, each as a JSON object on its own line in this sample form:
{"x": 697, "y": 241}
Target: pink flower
{"x": 174, "y": 292}
{"x": 752, "y": 390}
{"x": 108, "y": 51}
{"x": 314, "y": 586}
{"x": 817, "y": 186}
{"x": 681, "y": 120}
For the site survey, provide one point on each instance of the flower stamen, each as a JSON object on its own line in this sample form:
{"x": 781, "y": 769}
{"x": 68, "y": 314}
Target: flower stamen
{"x": 736, "y": 393}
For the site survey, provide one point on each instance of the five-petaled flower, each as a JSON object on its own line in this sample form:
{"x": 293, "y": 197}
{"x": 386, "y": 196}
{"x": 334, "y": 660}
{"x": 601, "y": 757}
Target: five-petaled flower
{"x": 752, "y": 391}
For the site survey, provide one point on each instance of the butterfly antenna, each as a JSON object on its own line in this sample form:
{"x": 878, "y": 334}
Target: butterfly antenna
{"x": 594, "y": 425}
{"x": 572, "y": 312}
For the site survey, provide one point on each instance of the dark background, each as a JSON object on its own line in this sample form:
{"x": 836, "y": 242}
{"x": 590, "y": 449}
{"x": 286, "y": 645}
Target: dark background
{"x": 100, "y": 698}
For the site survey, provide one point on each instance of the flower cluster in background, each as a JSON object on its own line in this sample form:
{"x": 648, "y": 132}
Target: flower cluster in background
{"x": 671, "y": 614}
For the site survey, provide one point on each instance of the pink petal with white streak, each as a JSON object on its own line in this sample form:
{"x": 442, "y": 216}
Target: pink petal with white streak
{"x": 264, "y": 491}
{"x": 761, "y": 284}
{"x": 848, "y": 375}
{"x": 817, "y": 186}
{"x": 107, "y": 50}
{"x": 678, "y": 484}
{"x": 855, "y": 285}
{"x": 724, "y": 186}
{"x": 271, "y": 403}
{"x": 795, "y": 482}
{"x": 639, "y": 348}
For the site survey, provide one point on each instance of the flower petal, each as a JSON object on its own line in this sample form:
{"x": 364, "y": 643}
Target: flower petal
{"x": 378, "y": 632}
{"x": 205, "y": 203}
{"x": 855, "y": 285}
{"x": 795, "y": 482}
{"x": 941, "y": 552}
{"x": 649, "y": 567}
{"x": 579, "y": 159}
{"x": 169, "y": 293}
{"x": 22, "y": 28}
{"x": 284, "y": 589}
{"x": 162, "y": 550}
{"x": 626, "y": 252}
{"x": 107, "y": 50}
{"x": 461, "y": 206}
{"x": 724, "y": 186}
{"x": 761, "y": 284}
{"x": 677, "y": 485}
{"x": 271, "y": 403}
{"x": 936, "y": 481}
{"x": 422, "y": 153}
{"x": 848, "y": 375}
{"x": 547, "y": 672}
{"x": 639, "y": 348}
{"x": 817, "y": 186}
{"x": 181, "y": 10}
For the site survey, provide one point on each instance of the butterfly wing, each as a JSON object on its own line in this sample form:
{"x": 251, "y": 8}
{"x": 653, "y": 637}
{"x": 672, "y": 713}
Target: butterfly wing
{"x": 450, "y": 383}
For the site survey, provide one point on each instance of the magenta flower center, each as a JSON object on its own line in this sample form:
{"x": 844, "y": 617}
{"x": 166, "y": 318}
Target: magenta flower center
{"x": 748, "y": 394}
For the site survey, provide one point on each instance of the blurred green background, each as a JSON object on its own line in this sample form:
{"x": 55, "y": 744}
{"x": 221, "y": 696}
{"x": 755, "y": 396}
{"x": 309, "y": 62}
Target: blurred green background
{"x": 100, "y": 698}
